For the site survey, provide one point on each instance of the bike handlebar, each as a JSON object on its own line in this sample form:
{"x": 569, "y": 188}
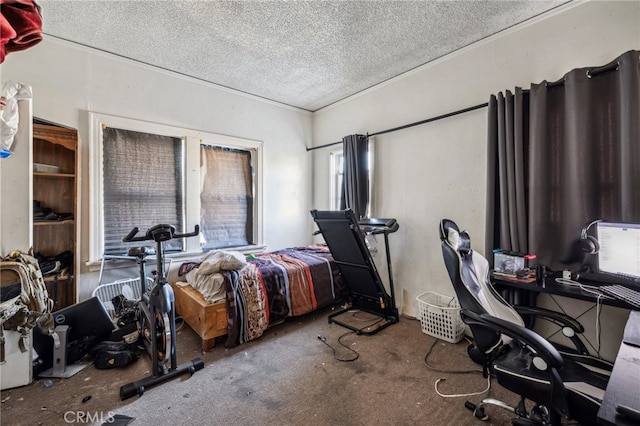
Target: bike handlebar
{"x": 130, "y": 235}
{"x": 196, "y": 231}
{"x": 159, "y": 233}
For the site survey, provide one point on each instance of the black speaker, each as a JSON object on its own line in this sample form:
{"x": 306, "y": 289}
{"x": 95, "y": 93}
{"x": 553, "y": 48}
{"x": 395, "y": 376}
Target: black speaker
{"x": 588, "y": 243}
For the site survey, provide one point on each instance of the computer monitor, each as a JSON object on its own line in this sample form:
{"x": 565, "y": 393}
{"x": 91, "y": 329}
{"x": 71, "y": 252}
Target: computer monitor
{"x": 619, "y": 251}
{"x": 79, "y": 327}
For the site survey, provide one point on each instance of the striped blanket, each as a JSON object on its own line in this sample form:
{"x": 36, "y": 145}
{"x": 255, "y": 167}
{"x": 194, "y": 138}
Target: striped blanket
{"x": 277, "y": 285}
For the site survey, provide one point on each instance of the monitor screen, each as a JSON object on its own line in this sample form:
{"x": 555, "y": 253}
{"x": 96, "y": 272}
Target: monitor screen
{"x": 619, "y": 248}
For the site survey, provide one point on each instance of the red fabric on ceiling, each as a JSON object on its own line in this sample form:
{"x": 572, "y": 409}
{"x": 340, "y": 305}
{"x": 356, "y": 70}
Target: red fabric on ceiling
{"x": 20, "y": 26}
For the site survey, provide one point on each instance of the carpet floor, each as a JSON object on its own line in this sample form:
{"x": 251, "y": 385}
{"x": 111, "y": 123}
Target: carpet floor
{"x": 286, "y": 377}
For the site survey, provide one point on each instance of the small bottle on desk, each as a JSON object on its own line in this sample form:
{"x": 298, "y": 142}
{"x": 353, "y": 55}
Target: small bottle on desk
{"x": 541, "y": 273}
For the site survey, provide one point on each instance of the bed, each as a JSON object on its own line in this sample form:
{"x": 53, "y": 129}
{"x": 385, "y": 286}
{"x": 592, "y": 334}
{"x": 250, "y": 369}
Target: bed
{"x": 229, "y": 294}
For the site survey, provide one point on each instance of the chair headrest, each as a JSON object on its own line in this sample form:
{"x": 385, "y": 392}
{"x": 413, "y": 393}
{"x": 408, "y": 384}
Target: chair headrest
{"x": 445, "y": 225}
{"x": 456, "y": 239}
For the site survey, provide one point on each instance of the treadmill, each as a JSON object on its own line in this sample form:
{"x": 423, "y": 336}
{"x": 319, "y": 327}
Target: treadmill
{"x": 345, "y": 237}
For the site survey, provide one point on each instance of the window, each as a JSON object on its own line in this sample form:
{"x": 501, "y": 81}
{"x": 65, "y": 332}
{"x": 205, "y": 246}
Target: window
{"x": 336, "y": 173}
{"x": 145, "y": 173}
{"x": 226, "y": 197}
{"x": 142, "y": 185}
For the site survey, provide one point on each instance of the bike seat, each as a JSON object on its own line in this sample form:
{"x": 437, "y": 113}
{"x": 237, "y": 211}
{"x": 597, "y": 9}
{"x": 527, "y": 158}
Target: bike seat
{"x": 140, "y": 252}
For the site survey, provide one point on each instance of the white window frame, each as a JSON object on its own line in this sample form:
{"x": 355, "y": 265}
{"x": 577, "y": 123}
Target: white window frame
{"x": 193, "y": 139}
{"x": 336, "y": 157}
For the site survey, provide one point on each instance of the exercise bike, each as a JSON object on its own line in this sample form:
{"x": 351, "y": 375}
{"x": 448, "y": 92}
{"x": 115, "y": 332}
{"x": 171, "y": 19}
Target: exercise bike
{"x": 155, "y": 314}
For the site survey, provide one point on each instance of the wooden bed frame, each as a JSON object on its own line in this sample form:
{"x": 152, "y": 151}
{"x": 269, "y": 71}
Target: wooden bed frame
{"x": 212, "y": 320}
{"x": 207, "y": 320}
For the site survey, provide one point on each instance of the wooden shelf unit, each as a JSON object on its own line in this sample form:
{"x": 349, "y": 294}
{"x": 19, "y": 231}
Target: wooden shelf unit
{"x": 57, "y": 146}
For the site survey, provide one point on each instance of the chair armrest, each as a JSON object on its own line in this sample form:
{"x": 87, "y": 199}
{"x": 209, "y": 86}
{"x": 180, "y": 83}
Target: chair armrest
{"x": 560, "y": 319}
{"x": 553, "y": 316}
{"x": 521, "y": 334}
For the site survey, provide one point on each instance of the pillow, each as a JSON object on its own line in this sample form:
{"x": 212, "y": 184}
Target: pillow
{"x": 211, "y": 286}
{"x": 221, "y": 261}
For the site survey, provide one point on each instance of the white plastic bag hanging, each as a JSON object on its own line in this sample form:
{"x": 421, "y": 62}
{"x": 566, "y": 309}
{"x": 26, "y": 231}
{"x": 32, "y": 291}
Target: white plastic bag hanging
{"x": 9, "y": 115}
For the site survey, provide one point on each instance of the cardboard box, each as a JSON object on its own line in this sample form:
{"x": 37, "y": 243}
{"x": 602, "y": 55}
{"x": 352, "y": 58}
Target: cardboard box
{"x": 18, "y": 368}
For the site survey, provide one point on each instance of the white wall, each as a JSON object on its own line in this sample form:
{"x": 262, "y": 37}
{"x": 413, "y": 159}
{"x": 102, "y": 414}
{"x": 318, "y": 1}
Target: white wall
{"x": 68, "y": 81}
{"x": 438, "y": 170}
{"x": 15, "y": 232}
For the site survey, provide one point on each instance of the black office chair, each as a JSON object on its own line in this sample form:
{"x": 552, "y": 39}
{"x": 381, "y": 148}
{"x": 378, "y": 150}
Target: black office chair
{"x": 559, "y": 384}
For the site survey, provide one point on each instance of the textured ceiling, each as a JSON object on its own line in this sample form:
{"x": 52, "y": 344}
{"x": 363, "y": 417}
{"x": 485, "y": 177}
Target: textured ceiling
{"x": 307, "y": 54}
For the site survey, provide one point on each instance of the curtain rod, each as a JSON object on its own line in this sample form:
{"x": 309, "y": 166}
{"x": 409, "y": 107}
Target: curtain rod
{"x": 406, "y": 126}
{"x": 591, "y": 72}
{"x": 613, "y": 66}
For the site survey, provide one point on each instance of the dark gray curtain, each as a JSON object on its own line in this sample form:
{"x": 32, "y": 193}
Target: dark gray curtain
{"x": 580, "y": 161}
{"x": 356, "y": 174}
{"x": 507, "y": 208}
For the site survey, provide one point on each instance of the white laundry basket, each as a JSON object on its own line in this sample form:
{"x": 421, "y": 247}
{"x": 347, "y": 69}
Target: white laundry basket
{"x": 129, "y": 288}
{"x": 440, "y": 316}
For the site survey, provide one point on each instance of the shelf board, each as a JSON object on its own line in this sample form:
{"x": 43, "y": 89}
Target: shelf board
{"x": 52, "y": 222}
{"x": 54, "y": 175}
{"x": 52, "y": 278}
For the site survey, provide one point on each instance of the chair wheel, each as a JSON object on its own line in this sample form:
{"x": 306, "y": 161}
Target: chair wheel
{"x": 540, "y": 414}
{"x": 478, "y": 411}
{"x": 480, "y": 414}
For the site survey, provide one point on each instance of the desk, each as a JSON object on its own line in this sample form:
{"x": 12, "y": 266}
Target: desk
{"x": 550, "y": 286}
{"x": 623, "y": 383}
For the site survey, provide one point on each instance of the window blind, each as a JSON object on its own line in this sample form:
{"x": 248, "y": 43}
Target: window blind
{"x": 143, "y": 185}
{"x": 226, "y": 197}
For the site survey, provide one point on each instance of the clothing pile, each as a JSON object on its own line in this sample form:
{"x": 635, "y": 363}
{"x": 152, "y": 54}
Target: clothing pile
{"x": 20, "y": 26}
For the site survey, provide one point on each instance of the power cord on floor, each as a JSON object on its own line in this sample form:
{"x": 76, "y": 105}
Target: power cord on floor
{"x": 179, "y": 322}
{"x": 432, "y": 368}
{"x": 455, "y": 395}
{"x": 335, "y": 355}
{"x": 357, "y": 355}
